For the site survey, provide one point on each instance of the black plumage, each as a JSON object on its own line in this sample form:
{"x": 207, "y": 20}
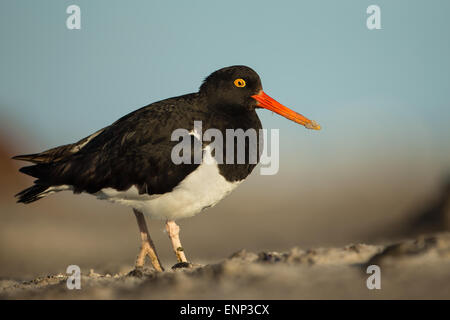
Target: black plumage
{"x": 136, "y": 149}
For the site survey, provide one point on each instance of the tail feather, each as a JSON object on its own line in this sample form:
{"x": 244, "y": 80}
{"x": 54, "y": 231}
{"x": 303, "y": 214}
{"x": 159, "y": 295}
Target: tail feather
{"x": 48, "y": 156}
{"x": 39, "y": 171}
{"x": 30, "y": 170}
{"x": 32, "y": 193}
{"x": 58, "y": 153}
{"x": 42, "y": 170}
{"x": 48, "y": 167}
{"x": 34, "y": 158}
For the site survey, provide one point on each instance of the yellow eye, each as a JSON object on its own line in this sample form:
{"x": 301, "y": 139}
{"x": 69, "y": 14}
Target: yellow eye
{"x": 239, "y": 83}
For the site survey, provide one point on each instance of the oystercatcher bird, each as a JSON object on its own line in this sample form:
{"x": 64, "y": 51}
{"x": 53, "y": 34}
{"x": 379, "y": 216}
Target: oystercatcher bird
{"x": 129, "y": 162}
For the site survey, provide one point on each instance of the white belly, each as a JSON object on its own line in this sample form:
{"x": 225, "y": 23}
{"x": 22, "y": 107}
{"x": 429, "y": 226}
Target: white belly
{"x": 201, "y": 189}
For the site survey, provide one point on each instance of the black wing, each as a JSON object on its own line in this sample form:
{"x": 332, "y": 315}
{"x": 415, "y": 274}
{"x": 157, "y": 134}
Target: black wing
{"x": 133, "y": 151}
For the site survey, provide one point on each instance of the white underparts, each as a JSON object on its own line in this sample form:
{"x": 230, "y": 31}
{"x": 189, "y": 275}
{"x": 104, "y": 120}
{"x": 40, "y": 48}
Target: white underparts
{"x": 201, "y": 189}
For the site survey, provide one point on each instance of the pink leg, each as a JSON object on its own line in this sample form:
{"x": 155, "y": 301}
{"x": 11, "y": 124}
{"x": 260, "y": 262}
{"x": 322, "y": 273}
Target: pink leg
{"x": 173, "y": 230}
{"x": 147, "y": 246}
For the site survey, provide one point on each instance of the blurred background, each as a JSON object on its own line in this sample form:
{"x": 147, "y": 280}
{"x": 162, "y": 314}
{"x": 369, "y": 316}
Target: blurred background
{"x": 379, "y": 169}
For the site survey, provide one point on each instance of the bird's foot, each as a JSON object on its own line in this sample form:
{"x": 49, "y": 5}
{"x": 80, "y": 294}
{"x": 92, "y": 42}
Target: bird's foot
{"x": 148, "y": 250}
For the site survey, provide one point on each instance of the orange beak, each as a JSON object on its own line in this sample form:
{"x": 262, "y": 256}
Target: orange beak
{"x": 266, "y": 102}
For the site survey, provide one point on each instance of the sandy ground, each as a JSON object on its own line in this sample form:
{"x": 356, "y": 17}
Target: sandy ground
{"x": 410, "y": 269}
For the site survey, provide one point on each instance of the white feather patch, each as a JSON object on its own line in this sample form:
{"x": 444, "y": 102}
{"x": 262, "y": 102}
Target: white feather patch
{"x": 201, "y": 189}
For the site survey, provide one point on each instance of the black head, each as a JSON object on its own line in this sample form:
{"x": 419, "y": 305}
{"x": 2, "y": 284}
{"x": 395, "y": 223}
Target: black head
{"x": 232, "y": 87}
{"x": 238, "y": 89}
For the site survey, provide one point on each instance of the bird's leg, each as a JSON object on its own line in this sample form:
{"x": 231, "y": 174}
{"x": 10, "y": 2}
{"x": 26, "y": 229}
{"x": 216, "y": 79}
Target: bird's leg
{"x": 147, "y": 246}
{"x": 173, "y": 230}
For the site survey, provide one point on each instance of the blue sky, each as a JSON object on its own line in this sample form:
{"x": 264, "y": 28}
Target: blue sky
{"x": 377, "y": 94}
